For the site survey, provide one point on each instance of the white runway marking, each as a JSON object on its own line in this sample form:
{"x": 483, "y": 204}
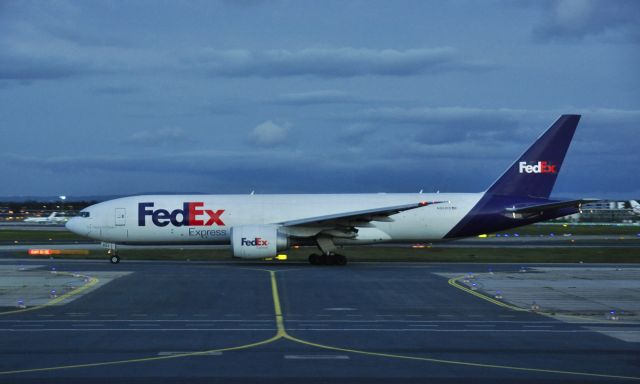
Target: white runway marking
{"x": 480, "y": 325}
{"x": 87, "y": 325}
{"x": 172, "y": 353}
{"x": 316, "y": 357}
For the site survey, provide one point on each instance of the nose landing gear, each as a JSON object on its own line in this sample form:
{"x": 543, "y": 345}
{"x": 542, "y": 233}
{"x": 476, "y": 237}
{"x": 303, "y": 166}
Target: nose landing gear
{"x": 112, "y": 252}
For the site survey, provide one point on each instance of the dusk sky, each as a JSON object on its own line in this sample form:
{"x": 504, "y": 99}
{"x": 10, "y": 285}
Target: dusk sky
{"x": 126, "y": 97}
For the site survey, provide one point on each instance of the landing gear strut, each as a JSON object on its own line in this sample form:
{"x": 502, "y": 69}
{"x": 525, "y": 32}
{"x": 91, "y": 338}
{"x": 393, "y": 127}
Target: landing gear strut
{"x": 112, "y": 252}
{"x": 328, "y": 256}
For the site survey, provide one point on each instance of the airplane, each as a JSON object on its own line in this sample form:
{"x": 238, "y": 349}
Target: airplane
{"x": 635, "y": 207}
{"x": 53, "y": 218}
{"x": 260, "y": 226}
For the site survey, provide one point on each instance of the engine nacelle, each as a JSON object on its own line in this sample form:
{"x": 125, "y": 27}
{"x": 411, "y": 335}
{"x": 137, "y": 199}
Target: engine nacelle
{"x": 257, "y": 241}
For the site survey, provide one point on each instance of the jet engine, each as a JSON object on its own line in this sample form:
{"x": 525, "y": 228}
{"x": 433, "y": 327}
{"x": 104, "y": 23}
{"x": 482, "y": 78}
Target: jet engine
{"x": 257, "y": 241}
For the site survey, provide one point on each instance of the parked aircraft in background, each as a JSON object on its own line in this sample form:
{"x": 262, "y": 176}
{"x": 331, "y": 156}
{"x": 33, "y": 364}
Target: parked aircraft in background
{"x": 260, "y": 226}
{"x": 635, "y": 206}
{"x": 53, "y": 218}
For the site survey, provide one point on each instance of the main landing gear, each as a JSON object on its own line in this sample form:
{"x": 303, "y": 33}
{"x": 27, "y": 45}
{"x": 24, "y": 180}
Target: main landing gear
{"x": 327, "y": 259}
{"x": 328, "y": 256}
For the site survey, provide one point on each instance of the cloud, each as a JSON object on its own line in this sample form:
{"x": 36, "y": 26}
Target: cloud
{"x": 328, "y": 96}
{"x": 26, "y": 65}
{"x": 43, "y": 58}
{"x": 269, "y": 133}
{"x": 162, "y": 137}
{"x": 577, "y": 19}
{"x": 389, "y": 160}
{"x": 443, "y": 124}
{"x": 30, "y": 53}
{"x": 179, "y": 162}
{"x": 115, "y": 90}
{"x": 330, "y": 62}
{"x": 430, "y": 115}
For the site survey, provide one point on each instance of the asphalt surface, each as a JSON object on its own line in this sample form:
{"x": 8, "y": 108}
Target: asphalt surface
{"x": 249, "y": 322}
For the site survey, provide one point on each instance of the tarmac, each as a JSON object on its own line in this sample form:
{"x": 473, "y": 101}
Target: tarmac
{"x": 232, "y": 322}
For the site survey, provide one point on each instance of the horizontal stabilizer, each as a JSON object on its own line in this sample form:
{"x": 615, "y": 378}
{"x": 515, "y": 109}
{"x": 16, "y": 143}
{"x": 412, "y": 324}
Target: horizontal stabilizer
{"x": 541, "y": 208}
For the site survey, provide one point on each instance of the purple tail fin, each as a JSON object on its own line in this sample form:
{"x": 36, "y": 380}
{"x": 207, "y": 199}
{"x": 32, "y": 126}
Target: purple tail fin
{"x": 535, "y": 172}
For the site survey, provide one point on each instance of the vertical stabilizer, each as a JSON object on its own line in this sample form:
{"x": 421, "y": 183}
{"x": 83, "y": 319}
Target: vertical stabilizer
{"x": 534, "y": 173}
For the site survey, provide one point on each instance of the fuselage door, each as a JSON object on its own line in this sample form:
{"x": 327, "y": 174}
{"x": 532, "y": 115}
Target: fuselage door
{"x": 121, "y": 216}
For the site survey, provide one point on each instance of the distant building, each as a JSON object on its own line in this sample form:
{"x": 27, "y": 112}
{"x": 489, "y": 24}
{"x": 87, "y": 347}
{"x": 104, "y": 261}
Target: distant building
{"x": 605, "y": 211}
{"x": 18, "y": 211}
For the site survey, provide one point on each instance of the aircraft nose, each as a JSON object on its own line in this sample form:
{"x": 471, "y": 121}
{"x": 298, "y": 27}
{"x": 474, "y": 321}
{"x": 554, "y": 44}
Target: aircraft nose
{"x": 75, "y": 225}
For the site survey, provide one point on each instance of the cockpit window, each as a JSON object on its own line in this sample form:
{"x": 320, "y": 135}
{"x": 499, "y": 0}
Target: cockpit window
{"x": 84, "y": 214}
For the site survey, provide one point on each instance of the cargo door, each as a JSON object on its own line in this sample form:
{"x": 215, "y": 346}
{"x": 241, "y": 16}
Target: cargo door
{"x": 121, "y": 216}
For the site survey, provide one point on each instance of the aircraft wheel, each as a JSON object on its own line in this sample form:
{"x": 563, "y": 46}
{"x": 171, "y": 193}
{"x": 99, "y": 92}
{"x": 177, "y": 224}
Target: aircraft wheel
{"x": 341, "y": 260}
{"x": 314, "y": 259}
{"x": 115, "y": 259}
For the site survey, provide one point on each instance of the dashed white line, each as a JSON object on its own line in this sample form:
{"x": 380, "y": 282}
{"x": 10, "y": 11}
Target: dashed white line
{"x": 172, "y": 353}
{"x": 29, "y": 325}
{"x": 480, "y": 325}
{"x": 316, "y": 357}
{"x": 87, "y": 325}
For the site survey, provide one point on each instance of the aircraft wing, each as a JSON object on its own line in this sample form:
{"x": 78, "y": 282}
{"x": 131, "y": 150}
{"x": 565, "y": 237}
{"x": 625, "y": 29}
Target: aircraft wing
{"x": 357, "y": 218}
{"x": 540, "y": 208}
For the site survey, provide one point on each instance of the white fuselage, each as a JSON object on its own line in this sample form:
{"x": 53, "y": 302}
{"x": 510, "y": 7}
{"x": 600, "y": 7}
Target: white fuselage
{"x": 124, "y": 221}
